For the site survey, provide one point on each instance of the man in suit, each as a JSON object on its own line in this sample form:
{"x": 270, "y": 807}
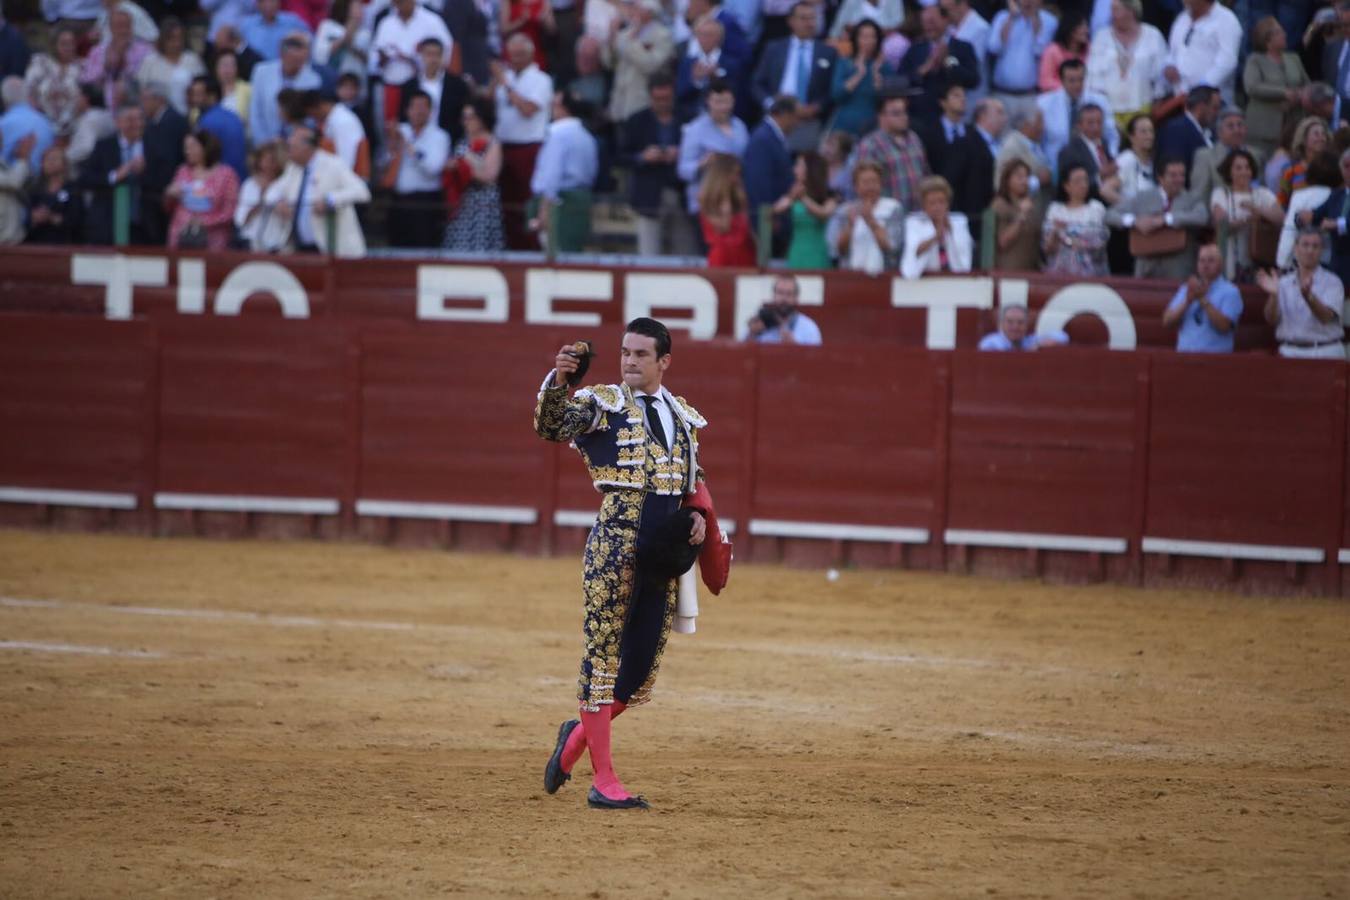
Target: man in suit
{"x": 933, "y": 62}
{"x": 1232, "y": 135}
{"x": 1183, "y": 135}
{"x": 165, "y": 129}
{"x": 315, "y": 186}
{"x": 1167, "y": 206}
{"x": 1024, "y": 141}
{"x": 651, "y": 146}
{"x": 944, "y": 140}
{"x": 1060, "y": 108}
{"x": 705, "y": 60}
{"x": 1088, "y": 148}
{"x": 448, "y": 92}
{"x": 1333, "y": 217}
{"x": 767, "y": 163}
{"x": 802, "y": 67}
{"x": 116, "y": 160}
{"x": 975, "y": 192}
{"x": 736, "y": 50}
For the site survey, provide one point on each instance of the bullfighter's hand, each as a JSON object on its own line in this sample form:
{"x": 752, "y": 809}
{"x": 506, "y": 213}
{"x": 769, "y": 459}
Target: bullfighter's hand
{"x": 565, "y": 364}
{"x": 697, "y": 533}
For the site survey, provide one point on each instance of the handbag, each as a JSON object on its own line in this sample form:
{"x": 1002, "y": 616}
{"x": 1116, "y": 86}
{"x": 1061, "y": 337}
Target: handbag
{"x": 1263, "y": 241}
{"x": 1161, "y": 242}
{"x": 192, "y": 237}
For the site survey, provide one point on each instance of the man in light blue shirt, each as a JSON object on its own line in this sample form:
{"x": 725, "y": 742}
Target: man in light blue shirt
{"x": 1017, "y": 38}
{"x": 564, "y": 174}
{"x": 1012, "y": 333}
{"x": 1207, "y": 307}
{"x": 21, "y": 120}
{"x": 781, "y": 321}
{"x": 292, "y": 70}
{"x": 716, "y": 131}
{"x": 264, "y": 30}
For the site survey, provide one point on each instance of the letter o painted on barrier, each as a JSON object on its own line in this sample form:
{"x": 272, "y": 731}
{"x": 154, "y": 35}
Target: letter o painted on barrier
{"x": 262, "y": 278}
{"x": 1092, "y": 299}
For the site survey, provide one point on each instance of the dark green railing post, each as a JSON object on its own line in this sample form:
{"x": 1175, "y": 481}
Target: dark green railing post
{"x": 121, "y": 214}
{"x": 764, "y": 236}
{"x": 330, "y": 223}
{"x": 1221, "y": 235}
{"x": 988, "y": 239}
{"x": 552, "y": 239}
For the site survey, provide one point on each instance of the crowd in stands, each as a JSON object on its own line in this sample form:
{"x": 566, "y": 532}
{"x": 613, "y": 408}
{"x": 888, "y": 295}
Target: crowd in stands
{"x": 1088, "y": 137}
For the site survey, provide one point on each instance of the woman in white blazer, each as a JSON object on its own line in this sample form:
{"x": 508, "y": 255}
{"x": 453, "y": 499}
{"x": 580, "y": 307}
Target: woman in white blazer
{"x": 332, "y": 187}
{"x": 936, "y": 239}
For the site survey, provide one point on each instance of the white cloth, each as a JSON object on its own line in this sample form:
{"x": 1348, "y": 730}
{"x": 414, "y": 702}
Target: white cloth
{"x": 424, "y": 157}
{"x": 919, "y": 228}
{"x": 1307, "y": 198}
{"x": 1135, "y": 176}
{"x": 345, "y": 130}
{"x": 397, "y": 41}
{"x": 250, "y": 198}
{"x": 329, "y": 179}
{"x": 537, "y": 87}
{"x": 1142, "y": 65}
{"x": 1210, "y": 57}
{"x": 686, "y": 607}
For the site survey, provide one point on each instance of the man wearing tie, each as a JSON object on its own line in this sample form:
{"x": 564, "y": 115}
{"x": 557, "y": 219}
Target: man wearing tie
{"x": 1061, "y": 107}
{"x": 1183, "y": 135}
{"x": 1168, "y": 206}
{"x": 799, "y": 66}
{"x": 116, "y": 160}
{"x": 315, "y": 187}
{"x": 1087, "y": 148}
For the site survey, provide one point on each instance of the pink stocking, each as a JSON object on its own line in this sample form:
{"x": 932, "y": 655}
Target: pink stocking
{"x": 576, "y": 741}
{"x": 597, "y": 725}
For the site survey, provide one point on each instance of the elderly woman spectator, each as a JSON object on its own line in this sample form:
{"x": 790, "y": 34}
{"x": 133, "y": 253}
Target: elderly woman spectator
{"x": 1323, "y": 177}
{"x": 1070, "y": 42}
{"x": 172, "y": 64}
{"x": 53, "y": 80}
{"x": 858, "y": 81}
{"x": 55, "y": 205}
{"x": 723, "y": 211}
{"x": 936, "y": 239}
{"x": 114, "y": 63}
{"x": 1126, "y": 62}
{"x": 205, "y": 193}
{"x": 1311, "y": 139}
{"x": 1136, "y": 161}
{"x": 472, "y": 198}
{"x": 1276, "y": 86}
{"x": 265, "y": 163}
{"x": 1017, "y": 220}
{"x": 867, "y": 233}
{"x": 1074, "y": 233}
{"x": 1236, "y": 203}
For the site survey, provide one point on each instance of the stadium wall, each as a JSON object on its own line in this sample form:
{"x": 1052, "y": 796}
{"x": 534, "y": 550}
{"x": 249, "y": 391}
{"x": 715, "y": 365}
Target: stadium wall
{"x": 1144, "y": 467}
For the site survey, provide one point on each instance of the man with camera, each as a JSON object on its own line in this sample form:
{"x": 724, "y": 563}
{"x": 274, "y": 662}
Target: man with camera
{"x": 780, "y": 321}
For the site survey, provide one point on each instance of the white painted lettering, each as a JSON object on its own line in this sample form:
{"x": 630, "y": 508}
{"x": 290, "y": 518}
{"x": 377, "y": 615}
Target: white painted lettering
{"x": 436, "y": 284}
{"x": 191, "y": 286}
{"x": 121, "y": 275}
{"x": 1094, "y": 300}
{"x": 646, "y": 291}
{"x": 543, "y": 286}
{"x": 262, "y": 278}
{"x": 942, "y": 297}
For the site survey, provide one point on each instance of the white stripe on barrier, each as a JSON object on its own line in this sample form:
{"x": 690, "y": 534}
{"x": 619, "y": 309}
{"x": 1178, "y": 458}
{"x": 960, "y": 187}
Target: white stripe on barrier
{"x": 312, "y": 506}
{"x": 1032, "y": 540}
{"x": 581, "y": 518}
{"x": 100, "y": 499}
{"x": 460, "y": 512}
{"x": 835, "y": 532}
{"x": 1222, "y": 550}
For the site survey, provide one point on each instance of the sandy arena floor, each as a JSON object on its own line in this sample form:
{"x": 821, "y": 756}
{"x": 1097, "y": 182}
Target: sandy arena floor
{"x": 203, "y": 719}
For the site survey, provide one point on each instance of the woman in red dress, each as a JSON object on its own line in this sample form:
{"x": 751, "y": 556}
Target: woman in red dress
{"x": 723, "y": 214}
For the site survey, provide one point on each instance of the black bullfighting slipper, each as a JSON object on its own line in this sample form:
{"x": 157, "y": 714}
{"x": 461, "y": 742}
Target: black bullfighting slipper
{"x": 554, "y": 776}
{"x": 597, "y": 800}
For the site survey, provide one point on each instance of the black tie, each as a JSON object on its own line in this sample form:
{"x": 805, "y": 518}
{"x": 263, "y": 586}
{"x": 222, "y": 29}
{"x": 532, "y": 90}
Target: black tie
{"x": 654, "y": 421}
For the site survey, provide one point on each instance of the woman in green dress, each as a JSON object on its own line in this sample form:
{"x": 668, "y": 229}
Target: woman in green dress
{"x": 811, "y": 206}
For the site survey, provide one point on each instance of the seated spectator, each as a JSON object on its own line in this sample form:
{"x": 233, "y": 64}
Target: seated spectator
{"x": 265, "y": 165}
{"x": 315, "y": 193}
{"x": 53, "y": 81}
{"x": 1181, "y": 136}
{"x": 1018, "y": 37}
{"x": 1125, "y": 62}
{"x": 651, "y": 146}
{"x": 1234, "y": 205}
{"x": 1323, "y": 177}
{"x": 788, "y": 62}
{"x": 524, "y": 96}
{"x": 143, "y": 24}
{"x": 1070, "y": 42}
{"x": 1307, "y": 304}
{"x": 1276, "y": 85}
{"x": 415, "y": 153}
{"x": 897, "y": 150}
{"x": 203, "y": 195}
{"x": 722, "y": 214}
{"x": 14, "y": 52}
{"x": 837, "y": 150}
{"x": 1023, "y": 141}
{"x": 55, "y": 204}
{"x": 1074, "y": 233}
{"x": 781, "y": 320}
{"x": 13, "y": 177}
{"x": 235, "y": 92}
{"x": 204, "y": 99}
{"x": 1087, "y": 148}
{"x": 564, "y": 176}
{"x": 1061, "y": 109}
{"x": 811, "y": 207}
{"x": 447, "y": 91}
{"x": 92, "y": 124}
{"x": 769, "y": 164}
{"x": 702, "y": 63}
{"x": 717, "y": 131}
{"x": 1332, "y": 219}
{"x": 1207, "y": 307}
{"x": 1311, "y": 138}
{"x": 637, "y": 49}
{"x": 472, "y": 198}
{"x": 1135, "y": 162}
{"x": 936, "y": 239}
{"x": 1204, "y": 42}
{"x": 591, "y": 83}
{"x": 172, "y": 64}
{"x": 21, "y": 120}
{"x": 867, "y": 233}
{"x": 859, "y": 81}
{"x": 1167, "y": 207}
{"x": 1017, "y": 220}
{"x": 265, "y": 29}
{"x": 934, "y": 61}
{"x": 1231, "y": 134}
{"x": 1012, "y": 332}
{"x": 293, "y": 71}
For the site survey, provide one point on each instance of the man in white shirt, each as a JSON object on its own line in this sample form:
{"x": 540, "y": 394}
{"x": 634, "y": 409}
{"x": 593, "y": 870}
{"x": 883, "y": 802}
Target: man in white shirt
{"x": 781, "y": 321}
{"x": 393, "y": 51}
{"x": 969, "y": 26}
{"x": 524, "y": 95}
{"x": 1204, "y": 44}
{"x": 563, "y": 176}
{"x": 1307, "y": 305}
{"x": 415, "y": 153}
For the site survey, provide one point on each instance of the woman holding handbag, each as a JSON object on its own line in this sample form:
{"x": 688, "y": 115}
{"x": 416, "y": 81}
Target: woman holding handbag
{"x": 1248, "y": 213}
{"x": 203, "y": 196}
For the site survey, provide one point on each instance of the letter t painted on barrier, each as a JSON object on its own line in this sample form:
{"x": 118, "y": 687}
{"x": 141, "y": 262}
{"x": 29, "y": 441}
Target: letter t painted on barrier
{"x": 121, "y": 275}
{"x": 942, "y": 297}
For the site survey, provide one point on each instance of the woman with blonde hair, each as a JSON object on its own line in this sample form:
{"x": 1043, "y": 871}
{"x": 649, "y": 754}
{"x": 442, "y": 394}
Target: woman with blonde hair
{"x": 1310, "y": 139}
{"x": 265, "y": 163}
{"x": 1276, "y": 85}
{"x": 936, "y": 239}
{"x": 723, "y": 213}
{"x": 866, "y": 233}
